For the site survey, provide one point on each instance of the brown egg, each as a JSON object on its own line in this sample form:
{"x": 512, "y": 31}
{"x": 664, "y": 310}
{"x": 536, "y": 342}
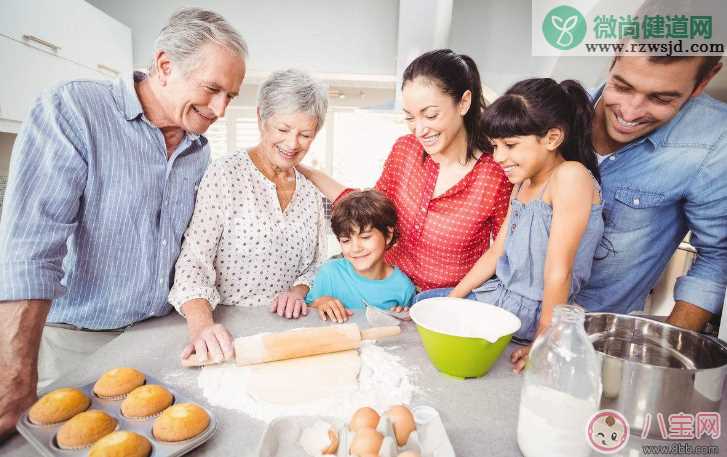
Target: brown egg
{"x": 364, "y": 418}
{"x": 403, "y": 421}
{"x": 333, "y": 447}
{"x": 366, "y": 441}
{"x": 408, "y": 454}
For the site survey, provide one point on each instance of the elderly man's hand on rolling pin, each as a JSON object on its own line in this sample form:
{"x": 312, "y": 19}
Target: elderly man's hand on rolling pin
{"x": 291, "y": 303}
{"x": 208, "y": 341}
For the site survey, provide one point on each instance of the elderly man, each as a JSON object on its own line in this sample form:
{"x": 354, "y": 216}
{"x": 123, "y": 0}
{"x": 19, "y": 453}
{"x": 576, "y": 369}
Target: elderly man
{"x": 662, "y": 148}
{"x": 102, "y": 186}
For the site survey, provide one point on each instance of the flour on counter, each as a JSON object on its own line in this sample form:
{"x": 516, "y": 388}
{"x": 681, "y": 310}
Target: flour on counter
{"x": 382, "y": 381}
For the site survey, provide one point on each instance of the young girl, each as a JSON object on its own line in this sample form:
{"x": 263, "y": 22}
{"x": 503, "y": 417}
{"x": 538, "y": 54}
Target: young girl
{"x": 365, "y": 224}
{"x": 541, "y": 133}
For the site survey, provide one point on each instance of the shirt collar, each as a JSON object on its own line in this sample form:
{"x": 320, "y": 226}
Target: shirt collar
{"x": 125, "y": 96}
{"x": 127, "y": 99}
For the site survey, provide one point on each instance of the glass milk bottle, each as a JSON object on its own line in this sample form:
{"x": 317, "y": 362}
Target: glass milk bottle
{"x": 561, "y": 389}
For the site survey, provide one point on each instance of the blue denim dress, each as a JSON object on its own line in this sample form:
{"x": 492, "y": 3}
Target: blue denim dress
{"x": 518, "y": 284}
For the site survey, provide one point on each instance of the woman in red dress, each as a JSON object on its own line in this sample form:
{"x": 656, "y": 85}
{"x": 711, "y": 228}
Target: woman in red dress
{"x": 450, "y": 195}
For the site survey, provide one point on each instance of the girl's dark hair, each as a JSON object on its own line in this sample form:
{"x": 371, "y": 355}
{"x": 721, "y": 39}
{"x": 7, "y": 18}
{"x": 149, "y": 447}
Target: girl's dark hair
{"x": 362, "y": 209}
{"x": 454, "y": 74}
{"x": 533, "y": 106}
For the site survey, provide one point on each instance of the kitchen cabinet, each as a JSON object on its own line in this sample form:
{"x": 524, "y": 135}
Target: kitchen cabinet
{"x": 44, "y": 42}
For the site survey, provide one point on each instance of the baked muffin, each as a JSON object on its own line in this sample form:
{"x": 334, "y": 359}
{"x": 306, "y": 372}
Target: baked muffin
{"x": 84, "y": 429}
{"x": 121, "y": 444}
{"x": 115, "y": 384}
{"x": 58, "y": 406}
{"x": 146, "y": 401}
{"x": 180, "y": 422}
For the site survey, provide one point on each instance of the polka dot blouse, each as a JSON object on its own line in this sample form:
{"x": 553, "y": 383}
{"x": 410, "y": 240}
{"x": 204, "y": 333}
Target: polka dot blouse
{"x": 441, "y": 237}
{"x": 240, "y": 248}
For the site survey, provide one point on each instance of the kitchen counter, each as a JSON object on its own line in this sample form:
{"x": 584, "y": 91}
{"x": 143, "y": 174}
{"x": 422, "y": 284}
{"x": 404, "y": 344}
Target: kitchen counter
{"x": 480, "y": 415}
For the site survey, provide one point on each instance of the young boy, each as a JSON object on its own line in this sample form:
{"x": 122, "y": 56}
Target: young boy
{"x": 365, "y": 224}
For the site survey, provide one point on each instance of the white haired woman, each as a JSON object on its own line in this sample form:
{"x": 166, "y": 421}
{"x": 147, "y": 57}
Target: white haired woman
{"x": 257, "y": 234}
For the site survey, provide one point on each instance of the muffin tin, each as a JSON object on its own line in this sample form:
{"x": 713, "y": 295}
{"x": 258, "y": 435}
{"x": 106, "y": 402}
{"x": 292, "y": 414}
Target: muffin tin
{"x": 281, "y": 439}
{"x": 42, "y": 437}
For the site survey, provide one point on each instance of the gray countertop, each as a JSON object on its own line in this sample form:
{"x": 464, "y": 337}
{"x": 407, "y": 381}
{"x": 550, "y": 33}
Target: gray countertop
{"x": 480, "y": 415}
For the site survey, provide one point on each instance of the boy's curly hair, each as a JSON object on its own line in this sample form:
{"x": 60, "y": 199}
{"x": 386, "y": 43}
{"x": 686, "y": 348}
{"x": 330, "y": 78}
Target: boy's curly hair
{"x": 364, "y": 209}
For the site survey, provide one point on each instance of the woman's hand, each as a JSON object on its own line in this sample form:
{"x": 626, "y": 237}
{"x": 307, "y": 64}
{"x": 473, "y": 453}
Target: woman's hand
{"x": 291, "y": 304}
{"x": 331, "y": 308}
{"x": 399, "y": 309}
{"x": 519, "y": 358}
{"x": 212, "y": 343}
{"x": 209, "y": 342}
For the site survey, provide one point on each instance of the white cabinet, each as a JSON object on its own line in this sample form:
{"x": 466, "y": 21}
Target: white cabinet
{"x": 100, "y": 42}
{"x": 44, "y": 42}
{"x": 28, "y": 73}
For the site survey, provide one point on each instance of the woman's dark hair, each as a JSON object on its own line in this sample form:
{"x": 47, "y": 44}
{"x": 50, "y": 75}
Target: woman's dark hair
{"x": 363, "y": 209}
{"x": 454, "y": 74}
{"x": 533, "y": 106}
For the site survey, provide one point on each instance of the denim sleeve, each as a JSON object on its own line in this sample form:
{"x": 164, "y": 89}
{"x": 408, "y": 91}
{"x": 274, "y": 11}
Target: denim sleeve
{"x": 48, "y": 173}
{"x": 706, "y": 212}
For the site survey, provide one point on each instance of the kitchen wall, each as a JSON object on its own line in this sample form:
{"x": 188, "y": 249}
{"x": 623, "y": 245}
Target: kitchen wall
{"x": 497, "y": 36}
{"x": 360, "y": 37}
{"x": 344, "y": 36}
{"x": 6, "y": 146}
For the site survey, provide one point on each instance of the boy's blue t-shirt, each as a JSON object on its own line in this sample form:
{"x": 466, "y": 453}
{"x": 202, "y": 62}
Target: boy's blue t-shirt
{"x": 338, "y": 279}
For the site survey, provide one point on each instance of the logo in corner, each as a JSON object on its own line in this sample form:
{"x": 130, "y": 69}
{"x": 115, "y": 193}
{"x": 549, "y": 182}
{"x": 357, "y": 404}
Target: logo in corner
{"x": 607, "y": 431}
{"x": 564, "y": 27}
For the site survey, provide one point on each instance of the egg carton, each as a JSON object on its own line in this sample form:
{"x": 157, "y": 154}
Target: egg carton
{"x": 281, "y": 438}
{"x": 43, "y": 437}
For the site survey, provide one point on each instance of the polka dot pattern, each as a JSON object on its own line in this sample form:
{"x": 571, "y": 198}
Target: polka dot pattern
{"x": 442, "y": 237}
{"x": 240, "y": 248}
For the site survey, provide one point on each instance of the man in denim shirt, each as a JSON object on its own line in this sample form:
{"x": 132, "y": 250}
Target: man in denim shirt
{"x": 662, "y": 147}
{"x": 101, "y": 188}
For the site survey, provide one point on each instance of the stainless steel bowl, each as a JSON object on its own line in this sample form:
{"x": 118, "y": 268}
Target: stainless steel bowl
{"x": 649, "y": 367}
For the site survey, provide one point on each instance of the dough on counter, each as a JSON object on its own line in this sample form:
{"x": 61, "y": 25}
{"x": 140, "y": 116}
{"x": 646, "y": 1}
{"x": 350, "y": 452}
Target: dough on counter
{"x": 304, "y": 379}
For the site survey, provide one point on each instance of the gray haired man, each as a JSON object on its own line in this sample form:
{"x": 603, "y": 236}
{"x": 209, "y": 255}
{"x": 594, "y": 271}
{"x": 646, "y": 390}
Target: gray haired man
{"x": 101, "y": 188}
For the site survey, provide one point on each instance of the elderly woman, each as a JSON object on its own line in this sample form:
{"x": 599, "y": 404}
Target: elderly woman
{"x": 257, "y": 234}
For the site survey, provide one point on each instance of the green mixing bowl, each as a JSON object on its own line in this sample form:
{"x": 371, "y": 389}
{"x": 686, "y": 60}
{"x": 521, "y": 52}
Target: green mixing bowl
{"x": 463, "y": 338}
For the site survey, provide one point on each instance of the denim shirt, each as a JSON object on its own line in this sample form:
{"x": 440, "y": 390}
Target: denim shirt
{"x": 655, "y": 190}
{"x": 95, "y": 212}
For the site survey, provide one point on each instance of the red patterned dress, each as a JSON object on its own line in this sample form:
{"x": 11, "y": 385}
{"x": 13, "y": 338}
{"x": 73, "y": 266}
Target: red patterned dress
{"x": 441, "y": 237}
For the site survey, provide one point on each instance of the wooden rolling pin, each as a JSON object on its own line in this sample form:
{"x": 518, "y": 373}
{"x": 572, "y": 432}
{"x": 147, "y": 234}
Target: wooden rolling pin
{"x": 301, "y": 342}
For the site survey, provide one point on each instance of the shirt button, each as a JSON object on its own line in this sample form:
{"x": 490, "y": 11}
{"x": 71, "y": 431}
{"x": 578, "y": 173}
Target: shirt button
{"x": 612, "y": 158}
{"x": 636, "y": 201}
{"x": 164, "y": 242}
{"x": 161, "y": 281}
{"x": 416, "y": 226}
{"x": 424, "y": 210}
